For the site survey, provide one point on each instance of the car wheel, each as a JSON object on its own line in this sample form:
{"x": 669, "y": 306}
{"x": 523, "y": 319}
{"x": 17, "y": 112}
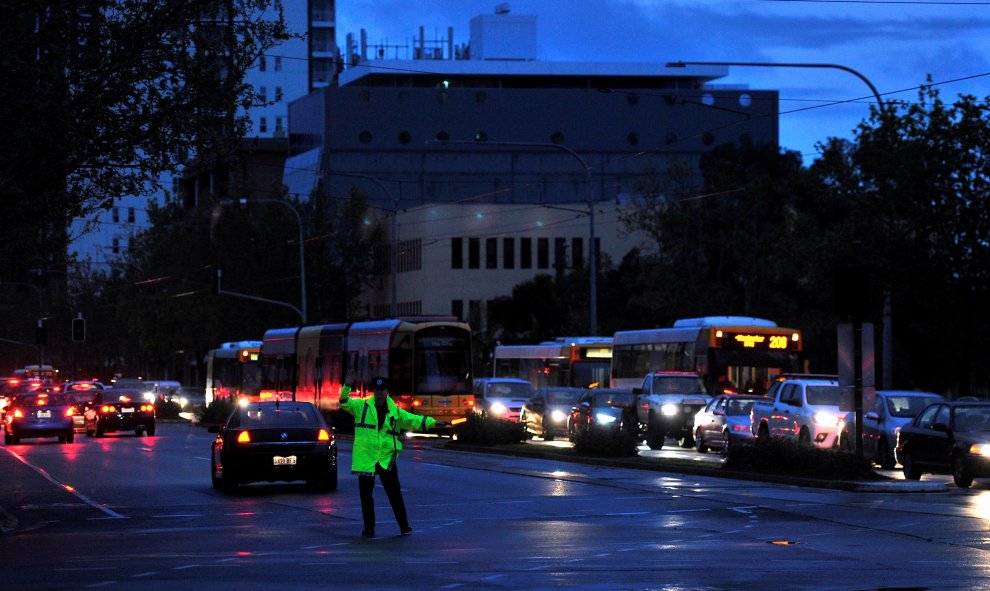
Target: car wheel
{"x": 687, "y": 441}
{"x": 960, "y": 472}
{"x": 844, "y": 442}
{"x": 804, "y": 439}
{"x": 8, "y": 439}
{"x": 654, "y": 434}
{"x": 99, "y": 429}
{"x": 61, "y": 438}
{"x": 150, "y": 430}
{"x": 228, "y": 480}
{"x": 884, "y": 458}
{"x": 70, "y": 436}
{"x": 763, "y": 433}
{"x": 214, "y": 479}
{"x": 725, "y": 443}
{"x": 547, "y": 432}
{"x": 699, "y": 442}
{"x": 139, "y": 432}
{"x": 911, "y": 472}
{"x": 89, "y": 432}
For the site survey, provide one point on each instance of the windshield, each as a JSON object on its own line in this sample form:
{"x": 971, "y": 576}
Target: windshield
{"x": 617, "y": 399}
{"x": 443, "y": 362}
{"x": 678, "y": 385}
{"x": 563, "y": 396}
{"x": 738, "y": 408}
{"x": 908, "y": 406}
{"x": 823, "y": 395}
{"x": 275, "y": 416}
{"x": 510, "y": 390}
{"x": 43, "y": 400}
{"x": 972, "y": 418}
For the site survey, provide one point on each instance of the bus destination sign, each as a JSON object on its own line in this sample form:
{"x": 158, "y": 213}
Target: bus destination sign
{"x": 741, "y": 340}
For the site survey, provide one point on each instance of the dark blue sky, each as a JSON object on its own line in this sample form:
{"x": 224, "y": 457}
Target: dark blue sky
{"x": 895, "y": 44}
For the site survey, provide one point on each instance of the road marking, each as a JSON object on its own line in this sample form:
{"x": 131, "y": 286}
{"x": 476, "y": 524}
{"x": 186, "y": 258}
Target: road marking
{"x": 68, "y": 488}
{"x": 689, "y": 511}
{"x": 171, "y": 515}
{"x": 101, "y": 584}
{"x": 628, "y": 514}
{"x": 186, "y": 566}
{"x": 147, "y": 574}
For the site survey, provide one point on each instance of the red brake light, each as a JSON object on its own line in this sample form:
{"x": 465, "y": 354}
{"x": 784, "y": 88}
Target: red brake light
{"x": 244, "y": 437}
{"x": 107, "y": 408}
{"x": 71, "y": 411}
{"x": 18, "y": 414}
{"x": 469, "y": 402}
{"x": 147, "y": 407}
{"x": 323, "y": 435}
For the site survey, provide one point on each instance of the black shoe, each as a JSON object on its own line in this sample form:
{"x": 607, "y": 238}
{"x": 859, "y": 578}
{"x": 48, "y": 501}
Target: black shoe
{"x": 368, "y": 533}
{"x": 406, "y": 530}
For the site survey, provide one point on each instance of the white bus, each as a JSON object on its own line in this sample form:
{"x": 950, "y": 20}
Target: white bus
{"x": 579, "y": 362}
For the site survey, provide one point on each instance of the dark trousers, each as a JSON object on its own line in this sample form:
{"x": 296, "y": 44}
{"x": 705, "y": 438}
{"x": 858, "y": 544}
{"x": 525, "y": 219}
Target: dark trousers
{"x": 390, "y": 482}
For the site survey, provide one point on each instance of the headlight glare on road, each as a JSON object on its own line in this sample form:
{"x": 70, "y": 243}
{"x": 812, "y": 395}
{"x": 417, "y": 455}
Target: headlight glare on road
{"x": 669, "y": 409}
{"x": 826, "y": 419}
{"x": 558, "y": 416}
{"x": 604, "y": 419}
{"x": 498, "y": 408}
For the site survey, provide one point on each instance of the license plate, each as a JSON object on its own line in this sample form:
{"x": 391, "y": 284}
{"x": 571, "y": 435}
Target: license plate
{"x": 126, "y": 410}
{"x": 44, "y": 414}
{"x": 284, "y": 461}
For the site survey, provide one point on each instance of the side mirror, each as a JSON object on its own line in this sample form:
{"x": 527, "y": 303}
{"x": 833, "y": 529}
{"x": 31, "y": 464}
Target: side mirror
{"x": 719, "y": 413}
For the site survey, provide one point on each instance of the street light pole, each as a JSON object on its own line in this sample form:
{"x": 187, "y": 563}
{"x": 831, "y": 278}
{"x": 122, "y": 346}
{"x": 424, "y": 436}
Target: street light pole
{"x": 302, "y": 255}
{"x": 394, "y": 262}
{"x": 592, "y": 256}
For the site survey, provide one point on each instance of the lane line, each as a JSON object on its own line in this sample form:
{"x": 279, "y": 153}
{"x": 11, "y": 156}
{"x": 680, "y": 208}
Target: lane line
{"x": 68, "y": 488}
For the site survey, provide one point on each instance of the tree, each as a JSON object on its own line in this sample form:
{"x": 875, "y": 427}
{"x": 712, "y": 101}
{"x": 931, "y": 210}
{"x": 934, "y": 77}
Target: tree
{"x": 102, "y": 97}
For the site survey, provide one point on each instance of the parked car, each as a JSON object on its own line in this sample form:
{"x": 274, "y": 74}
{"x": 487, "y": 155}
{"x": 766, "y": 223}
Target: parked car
{"x": 947, "y": 437}
{"x": 668, "y": 401}
{"x": 799, "y": 408}
{"x": 724, "y": 422}
{"x": 545, "y": 414}
{"x": 605, "y": 409}
{"x": 273, "y": 442}
{"x": 501, "y": 397}
{"x": 39, "y": 414}
{"x": 120, "y": 409}
{"x": 891, "y": 410}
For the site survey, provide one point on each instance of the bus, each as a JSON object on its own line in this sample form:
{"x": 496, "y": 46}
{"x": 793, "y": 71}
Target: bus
{"x": 233, "y": 371}
{"x": 737, "y": 354}
{"x": 428, "y": 363}
{"x": 577, "y": 362}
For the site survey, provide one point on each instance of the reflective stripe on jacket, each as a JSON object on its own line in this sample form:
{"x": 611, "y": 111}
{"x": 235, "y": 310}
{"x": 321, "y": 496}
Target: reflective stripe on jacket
{"x": 371, "y": 445}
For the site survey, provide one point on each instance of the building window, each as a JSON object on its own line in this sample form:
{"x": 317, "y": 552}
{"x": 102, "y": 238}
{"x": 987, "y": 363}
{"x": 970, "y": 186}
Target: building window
{"x": 560, "y": 253}
{"x": 474, "y": 313}
{"x": 263, "y": 94}
{"x": 262, "y": 64}
{"x": 491, "y": 253}
{"x": 263, "y": 125}
{"x": 456, "y": 253}
{"x": 278, "y": 94}
{"x": 410, "y": 255}
{"x": 130, "y": 215}
{"x": 116, "y": 246}
{"x": 509, "y": 253}
{"x": 542, "y": 253}
{"x": 525, "y": 253}
{"x": 278, "y": 125}
{"x": 577, "y": 252}
{"x": 116, "y": 215}
{"x": 474, "y": 253}
{"x": 278, "y": 63}
{"x": 457, "y": 309}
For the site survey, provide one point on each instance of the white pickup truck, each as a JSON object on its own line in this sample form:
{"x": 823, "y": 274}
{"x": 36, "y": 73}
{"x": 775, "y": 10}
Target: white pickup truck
{"x": 805, "y": 409}
{"x": 666, "y": 405}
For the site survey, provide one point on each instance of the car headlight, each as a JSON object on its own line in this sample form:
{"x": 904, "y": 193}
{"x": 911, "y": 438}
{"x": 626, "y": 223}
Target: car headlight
{"x": 670, "y": 409}
{"x": 825, "y": 419}
{"x": 558, "y": 416}
{"x": 149, "y": 396}
{"x": 980, "y": 449}
{"x": 183, "y": 402}
{"x": 604, "y": 419}
{"x": 497, "y": 408}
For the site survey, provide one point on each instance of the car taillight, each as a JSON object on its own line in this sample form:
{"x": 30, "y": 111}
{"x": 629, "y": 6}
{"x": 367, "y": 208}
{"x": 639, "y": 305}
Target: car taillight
{"x": 323, "y": 435}
{"x": 18, "y": 414}
{"x": 244, "y": 437}
{"x": 107, "y": 408}
{"x": 71, "y": 411}
{"x": 469, "y": 402}
{"x": 147, "y": 407}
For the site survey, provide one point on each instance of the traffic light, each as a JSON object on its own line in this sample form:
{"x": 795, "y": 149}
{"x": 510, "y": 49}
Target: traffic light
{"x": 78, "y": 329}
{"x": 41, "y": 333}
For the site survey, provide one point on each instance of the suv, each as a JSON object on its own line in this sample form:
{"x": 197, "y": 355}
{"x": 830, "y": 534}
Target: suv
{"x": 801, "y": 408}
{"x": 666, "y": 405}
{"x": 502, "y": 398}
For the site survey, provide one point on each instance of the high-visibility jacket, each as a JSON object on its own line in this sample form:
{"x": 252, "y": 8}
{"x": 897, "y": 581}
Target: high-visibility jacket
{"x": 371, "y": 445}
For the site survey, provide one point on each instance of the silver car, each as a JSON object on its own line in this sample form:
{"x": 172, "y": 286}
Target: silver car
{"x": 724, "y": 422}
{"x": 892, "y": 410}
{"x": 502, "y": 398}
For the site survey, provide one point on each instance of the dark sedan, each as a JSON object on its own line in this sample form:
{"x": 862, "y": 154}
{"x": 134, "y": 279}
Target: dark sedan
{"x": 545, "y": 415}
{"x": 606, "y": 410}
{"x": 120, "y": 409}
{"x": 951, "y": 437}
{"x": 274, "y": 442}
{"x": 39, "y": 414}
